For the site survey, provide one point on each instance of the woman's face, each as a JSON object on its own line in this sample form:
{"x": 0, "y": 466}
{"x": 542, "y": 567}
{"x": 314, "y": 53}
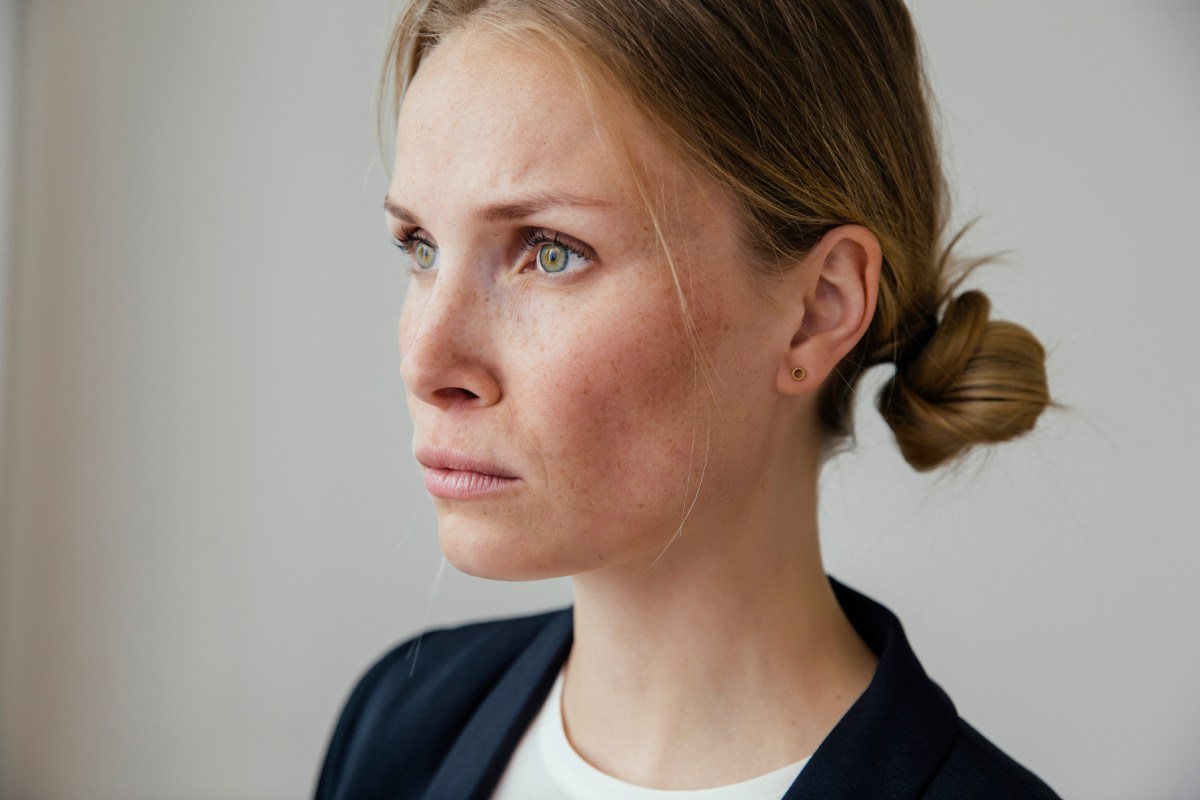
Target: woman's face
{"x": 560, "y": 411}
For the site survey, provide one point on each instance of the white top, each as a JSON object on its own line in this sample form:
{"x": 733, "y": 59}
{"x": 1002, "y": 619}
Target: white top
{"x": 545, "y": 767}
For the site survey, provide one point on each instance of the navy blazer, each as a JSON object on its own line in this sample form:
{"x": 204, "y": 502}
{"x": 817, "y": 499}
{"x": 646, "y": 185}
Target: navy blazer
{"x": 439, "y": 716}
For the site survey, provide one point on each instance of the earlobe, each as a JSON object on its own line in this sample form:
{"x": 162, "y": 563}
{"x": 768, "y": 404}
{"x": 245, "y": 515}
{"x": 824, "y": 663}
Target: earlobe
{"x": 837, "y": 294}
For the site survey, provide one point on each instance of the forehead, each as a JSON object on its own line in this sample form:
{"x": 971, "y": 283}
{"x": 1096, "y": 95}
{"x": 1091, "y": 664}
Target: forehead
{"x": 488, "y": 117}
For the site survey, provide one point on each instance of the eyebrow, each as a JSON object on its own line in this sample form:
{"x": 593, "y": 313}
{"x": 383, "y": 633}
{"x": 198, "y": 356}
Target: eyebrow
{"x": 507, "y": 212}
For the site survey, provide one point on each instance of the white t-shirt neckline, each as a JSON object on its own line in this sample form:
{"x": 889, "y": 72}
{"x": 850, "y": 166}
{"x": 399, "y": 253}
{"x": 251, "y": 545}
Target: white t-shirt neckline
{"x": 545, "y": 765}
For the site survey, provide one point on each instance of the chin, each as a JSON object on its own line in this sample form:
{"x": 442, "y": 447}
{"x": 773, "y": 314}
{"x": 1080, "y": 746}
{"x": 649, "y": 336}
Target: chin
{"x": 492, "y": 551}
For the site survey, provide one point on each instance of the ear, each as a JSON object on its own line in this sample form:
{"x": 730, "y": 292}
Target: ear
{"x": 836, "y": 287}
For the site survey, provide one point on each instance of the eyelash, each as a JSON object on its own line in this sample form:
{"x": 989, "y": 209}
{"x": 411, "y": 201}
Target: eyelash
{"x": 531, "y": 240}
{"x": 409, "y": 239}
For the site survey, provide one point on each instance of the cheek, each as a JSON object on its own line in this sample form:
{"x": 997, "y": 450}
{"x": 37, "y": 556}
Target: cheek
{"x": 608, "y": 395}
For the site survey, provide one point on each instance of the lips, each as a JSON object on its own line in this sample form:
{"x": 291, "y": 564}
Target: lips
{"x": 453, "y": 475}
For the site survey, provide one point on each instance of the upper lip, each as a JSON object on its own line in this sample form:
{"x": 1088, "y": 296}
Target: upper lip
{"x": 446, "y": 458}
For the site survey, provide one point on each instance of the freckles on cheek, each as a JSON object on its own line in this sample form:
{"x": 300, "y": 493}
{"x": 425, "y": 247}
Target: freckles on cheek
{"x": 615, "y": 393}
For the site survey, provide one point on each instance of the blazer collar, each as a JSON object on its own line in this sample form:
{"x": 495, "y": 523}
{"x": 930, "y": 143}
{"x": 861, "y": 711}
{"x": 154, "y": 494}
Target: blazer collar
{"x": 478, "y": 757}
{"x": 896, "y": 735}
{"x": 889, "y": 744}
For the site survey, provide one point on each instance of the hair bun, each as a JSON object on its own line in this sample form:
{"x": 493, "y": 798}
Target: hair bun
{"x": 976, "y": 381}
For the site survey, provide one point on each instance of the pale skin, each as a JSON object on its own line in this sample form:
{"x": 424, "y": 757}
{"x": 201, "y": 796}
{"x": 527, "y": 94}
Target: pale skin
{"x": 707, "y": 652}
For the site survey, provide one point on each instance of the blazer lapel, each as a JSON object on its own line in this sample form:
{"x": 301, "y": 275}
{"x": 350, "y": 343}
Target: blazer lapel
{"x": 477, "y": 760}
{"x": 893, "y": 739}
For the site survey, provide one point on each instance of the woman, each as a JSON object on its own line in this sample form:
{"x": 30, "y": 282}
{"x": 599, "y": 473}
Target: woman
{"x": 653, "y": 247}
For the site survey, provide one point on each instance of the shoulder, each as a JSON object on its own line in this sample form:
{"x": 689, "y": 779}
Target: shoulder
{"x": 904, "y": 737}
{"x": 408, "y": 707}
{"x": 976, "y": 768}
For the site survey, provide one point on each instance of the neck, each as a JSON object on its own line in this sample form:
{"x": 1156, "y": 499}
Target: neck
{"x": 728, "y": 658}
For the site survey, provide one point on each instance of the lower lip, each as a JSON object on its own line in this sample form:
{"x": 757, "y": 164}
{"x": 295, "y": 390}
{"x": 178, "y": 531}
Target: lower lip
{"x": 461, "y": 484}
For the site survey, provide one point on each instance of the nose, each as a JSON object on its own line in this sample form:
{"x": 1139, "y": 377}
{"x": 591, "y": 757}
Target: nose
{"x": 445, "y": 342}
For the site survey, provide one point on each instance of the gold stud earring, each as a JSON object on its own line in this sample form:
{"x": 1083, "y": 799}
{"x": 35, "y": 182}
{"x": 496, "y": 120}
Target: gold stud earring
{"x": 798, "y": 374}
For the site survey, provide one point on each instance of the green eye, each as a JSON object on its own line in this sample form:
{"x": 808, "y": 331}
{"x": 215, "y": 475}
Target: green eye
{"x": 424, "y": 255}
{"x": 553, "y": 257}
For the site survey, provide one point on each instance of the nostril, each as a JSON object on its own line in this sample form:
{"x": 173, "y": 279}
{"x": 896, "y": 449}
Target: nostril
{"x": 452, "y": 393}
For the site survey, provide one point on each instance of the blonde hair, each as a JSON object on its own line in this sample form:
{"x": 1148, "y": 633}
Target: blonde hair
{"x": 812, "y": 114}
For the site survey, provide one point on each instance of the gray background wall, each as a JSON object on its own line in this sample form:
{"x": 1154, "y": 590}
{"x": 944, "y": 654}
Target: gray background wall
{"x": 210, "y": 520}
